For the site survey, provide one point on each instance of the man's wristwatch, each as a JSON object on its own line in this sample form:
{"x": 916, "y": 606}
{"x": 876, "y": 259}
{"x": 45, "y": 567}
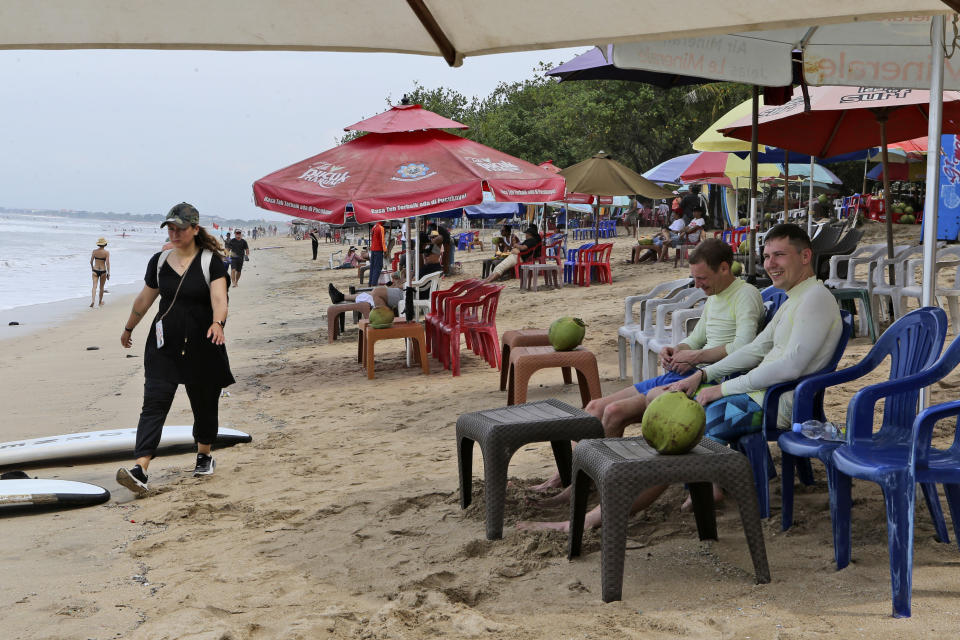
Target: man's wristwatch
{"x": 222, "y": 323}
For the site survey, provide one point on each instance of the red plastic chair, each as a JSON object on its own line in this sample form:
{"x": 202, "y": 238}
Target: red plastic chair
{"x": 525, "y": 258}
{"x": 553, "y": 248}
{"x": 448, "y": 330}
{"x": 581, "y": 270}
{"x": 476, "y": 320}
{"x": 435, "y": 316}
{"x": 601, "y": 260}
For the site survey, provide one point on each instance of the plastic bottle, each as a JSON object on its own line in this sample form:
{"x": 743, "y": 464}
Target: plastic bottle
{"x": 816, "y": 430}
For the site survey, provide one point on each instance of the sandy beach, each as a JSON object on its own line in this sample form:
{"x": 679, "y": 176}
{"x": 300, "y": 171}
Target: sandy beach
{"x": 342, "y": 520}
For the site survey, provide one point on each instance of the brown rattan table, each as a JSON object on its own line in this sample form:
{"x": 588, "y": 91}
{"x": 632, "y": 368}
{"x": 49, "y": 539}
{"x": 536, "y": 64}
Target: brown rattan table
{"x": 524, "y": 361}
{"x": 524, "y": 338}
{"x": 623, "y": 467}
{"x": 501, "y": 432}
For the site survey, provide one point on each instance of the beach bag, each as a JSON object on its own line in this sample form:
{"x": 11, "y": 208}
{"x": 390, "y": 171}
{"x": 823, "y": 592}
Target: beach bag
{"x": 206, "y": 257}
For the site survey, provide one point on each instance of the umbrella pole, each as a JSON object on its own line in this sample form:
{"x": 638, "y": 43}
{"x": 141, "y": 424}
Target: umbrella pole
{"x": 786, "y": 185}
{"x": 932, "y": 201}
{"x": 751, "y": 262}
{"x": 882, "y": 118}
{"x": 810, "y": 203}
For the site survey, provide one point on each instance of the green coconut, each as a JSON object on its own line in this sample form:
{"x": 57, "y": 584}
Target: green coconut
{"x": 822, "y": 198}
{"x": 744, "y": 247}
{"x": 908, "y": 209}
{"x": 736, "y": 269}
{"x": 673, "y": 423}
{"x": 381, "y": 318}
{"x": 566, "y": 333}
{"x": 645, "y": 241}
{"x": 744, "y": 222}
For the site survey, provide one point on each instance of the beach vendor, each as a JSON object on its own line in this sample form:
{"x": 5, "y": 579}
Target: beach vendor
{"x": 185, "y": 342}
{"x": 100, "y": 264}
{"x": 799, "y": 340}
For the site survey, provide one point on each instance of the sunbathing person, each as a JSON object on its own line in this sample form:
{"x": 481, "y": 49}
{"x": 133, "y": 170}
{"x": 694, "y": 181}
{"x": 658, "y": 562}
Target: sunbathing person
{"x": 799, "y": 340}
{"x": 730, "y": 320}
{"x": 380, "y": 296}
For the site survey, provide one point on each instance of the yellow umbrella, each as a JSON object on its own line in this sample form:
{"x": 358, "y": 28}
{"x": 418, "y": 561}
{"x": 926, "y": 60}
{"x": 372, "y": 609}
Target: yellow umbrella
{"x": 713, "y": 140}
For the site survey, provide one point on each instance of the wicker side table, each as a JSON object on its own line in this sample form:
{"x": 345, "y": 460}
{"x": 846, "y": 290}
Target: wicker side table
{"x": 623, "y": 467}
{"x": 501, "y": 432}
{"x": 524, "y": 361}
{"x": 524, "y": 338}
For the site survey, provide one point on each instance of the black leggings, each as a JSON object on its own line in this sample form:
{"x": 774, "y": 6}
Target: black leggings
{"x": 157, "y": 398}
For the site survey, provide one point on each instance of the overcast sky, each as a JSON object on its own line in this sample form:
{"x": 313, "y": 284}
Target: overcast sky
{"x": 139, "y": 131}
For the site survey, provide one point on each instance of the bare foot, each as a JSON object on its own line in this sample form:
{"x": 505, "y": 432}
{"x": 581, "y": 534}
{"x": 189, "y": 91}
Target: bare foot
{"x": 552, "y": 483}
{"x": 534, "y": 525}
{"x": 554, "y": 501}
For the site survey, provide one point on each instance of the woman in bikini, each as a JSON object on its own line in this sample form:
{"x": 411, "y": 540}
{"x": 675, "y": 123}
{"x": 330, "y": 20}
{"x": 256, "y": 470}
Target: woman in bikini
{"x": 100, "y": 263}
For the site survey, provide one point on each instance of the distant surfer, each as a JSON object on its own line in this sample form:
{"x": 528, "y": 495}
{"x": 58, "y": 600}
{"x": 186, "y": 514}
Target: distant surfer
{"x": 185, "y": 343}
{"x": 100, "y": 263}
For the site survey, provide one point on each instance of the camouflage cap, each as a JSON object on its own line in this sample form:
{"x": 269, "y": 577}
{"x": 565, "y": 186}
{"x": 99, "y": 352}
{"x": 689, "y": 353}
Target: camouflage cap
{"x": 182, "y": 216}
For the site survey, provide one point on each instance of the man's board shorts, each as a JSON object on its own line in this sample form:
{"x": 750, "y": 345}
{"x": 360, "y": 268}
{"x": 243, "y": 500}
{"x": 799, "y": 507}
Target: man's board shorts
{"x": 675, "y": 240}
{"x": 237, "y": 263}
{"x": 731, "y": 417}
{"x": 668, "y": 378}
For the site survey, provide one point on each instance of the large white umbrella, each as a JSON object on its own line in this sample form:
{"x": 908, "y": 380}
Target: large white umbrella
{"x": 454, "y": 29}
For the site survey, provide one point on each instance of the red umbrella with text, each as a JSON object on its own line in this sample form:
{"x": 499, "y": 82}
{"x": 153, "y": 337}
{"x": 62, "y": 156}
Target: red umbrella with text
{"x": 412, "y": 168}
{"x": 843, "y": 119}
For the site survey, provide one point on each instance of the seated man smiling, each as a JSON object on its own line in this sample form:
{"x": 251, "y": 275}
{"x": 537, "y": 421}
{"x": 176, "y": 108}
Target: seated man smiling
{"x": 799, "y": 340}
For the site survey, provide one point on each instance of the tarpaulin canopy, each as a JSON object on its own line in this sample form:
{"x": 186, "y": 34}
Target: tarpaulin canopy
{"x": 454, "y": 29}
{"x": 400, "y": 175}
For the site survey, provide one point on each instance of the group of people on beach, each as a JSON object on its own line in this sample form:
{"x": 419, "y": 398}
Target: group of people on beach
{"x": 729, "y": 360}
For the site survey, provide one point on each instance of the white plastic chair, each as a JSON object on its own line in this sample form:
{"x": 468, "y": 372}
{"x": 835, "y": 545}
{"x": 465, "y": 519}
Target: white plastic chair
{"x": 863, "y": 255}
{"x": 881, "y": 287}
{"x": 947, "y": 258}
{"x": 646, "y": 347}
{"x": 429, "y": 282}
{"x": 637, "y": 305}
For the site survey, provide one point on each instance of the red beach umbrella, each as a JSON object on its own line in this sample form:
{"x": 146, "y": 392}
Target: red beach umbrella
{"x": 403, "y": 174}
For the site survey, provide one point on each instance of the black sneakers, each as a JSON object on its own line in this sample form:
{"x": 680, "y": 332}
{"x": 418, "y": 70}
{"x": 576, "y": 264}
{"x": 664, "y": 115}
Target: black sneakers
{"x": 134, "y": 479}
{"x": 205, "y": 465}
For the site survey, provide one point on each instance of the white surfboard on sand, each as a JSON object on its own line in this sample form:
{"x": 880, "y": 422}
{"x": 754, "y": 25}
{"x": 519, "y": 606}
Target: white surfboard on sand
{"x": 49, "y": 493}
{"x": 103, "y": 443}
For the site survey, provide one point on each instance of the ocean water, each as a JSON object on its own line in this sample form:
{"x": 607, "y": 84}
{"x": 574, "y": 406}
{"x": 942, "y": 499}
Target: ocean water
{"x": 46, "y": 258}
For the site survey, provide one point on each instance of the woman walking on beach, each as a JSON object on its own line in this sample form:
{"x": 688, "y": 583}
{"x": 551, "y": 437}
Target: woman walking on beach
{"x": 100, "y": 263}
{"x": 185, "y": 343}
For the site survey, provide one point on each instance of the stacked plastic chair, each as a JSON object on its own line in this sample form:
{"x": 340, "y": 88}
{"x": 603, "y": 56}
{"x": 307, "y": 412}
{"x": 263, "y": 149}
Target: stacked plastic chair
{"x": 596, "y": 257}
{"x": 435, "y": 316}
{"x": 573, "y": 259}
{"x": 459, "y": 313}
{"x": 481, "y": 330}
{"x": 633, "y": 314}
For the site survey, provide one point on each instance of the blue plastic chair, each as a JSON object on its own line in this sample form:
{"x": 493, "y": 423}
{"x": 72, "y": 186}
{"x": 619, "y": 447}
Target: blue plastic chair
{"x": 912, "y": 343}
{"x": 897, "y": 465}
{"x": 754, "y": 445}
{"x": 570, "y": 264}
{"x": 463, "y": 240}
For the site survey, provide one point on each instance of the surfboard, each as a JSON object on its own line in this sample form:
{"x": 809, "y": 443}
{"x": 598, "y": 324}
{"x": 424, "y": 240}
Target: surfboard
{"x": 49, "y": 493}
{"x": 110, "y": 442}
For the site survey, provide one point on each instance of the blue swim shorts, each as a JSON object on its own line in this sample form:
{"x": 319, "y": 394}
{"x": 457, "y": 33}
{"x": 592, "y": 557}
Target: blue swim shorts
{"x": 731, "y": 417}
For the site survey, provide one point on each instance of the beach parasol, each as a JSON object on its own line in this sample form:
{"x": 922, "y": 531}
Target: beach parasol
{"x": 601, "y": 175}
{"x": 843, "y": 119}
{"x": 405, "y": 117}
